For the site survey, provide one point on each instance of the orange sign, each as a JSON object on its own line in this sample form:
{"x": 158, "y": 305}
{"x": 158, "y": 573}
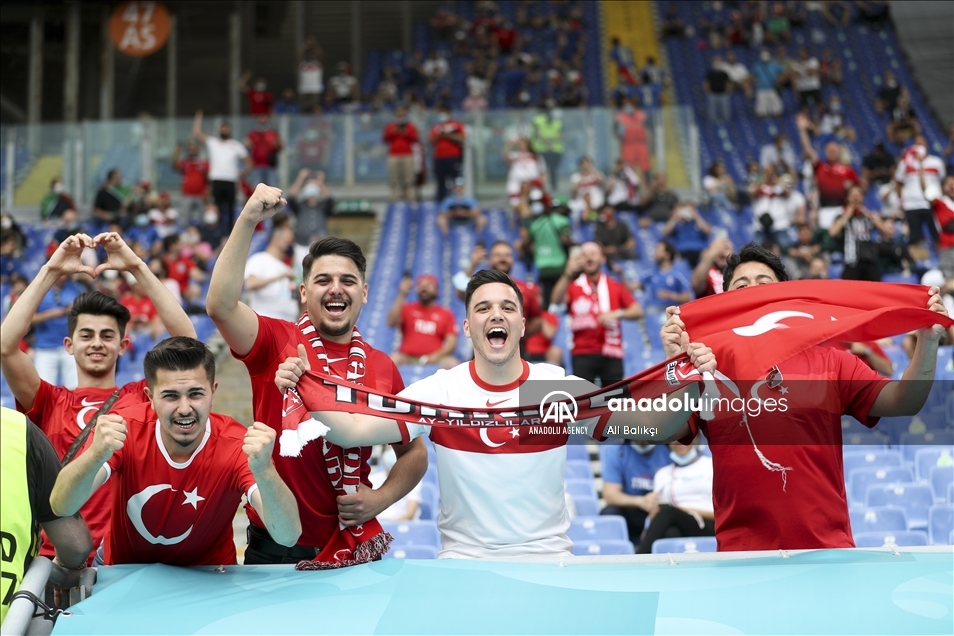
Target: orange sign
{"x": 139, "y": 28}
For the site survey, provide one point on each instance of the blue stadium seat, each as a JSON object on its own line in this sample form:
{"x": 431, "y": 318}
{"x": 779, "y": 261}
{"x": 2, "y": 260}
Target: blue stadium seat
{"x": 861, "y": 478}
{"x": 940, "y": 523}
{"x": 577, "y": 452}
{"x": 941, "y": 477}
{"x": 684, "y": 545}
{"x": 926, "y": 458}
{"x": 577, "y": 469}
{"x": 430, "y": 476}
{"x": 608, "y": 527}
{"x": 870, "y": 458}
{"x": 593, "y": 548}
{"x": 412, "y": 552}
{"x": 877, "y": 520}
{"x": 906, "y": 538}
{"x": 430, "y": 502}
{"x": 873, "y": 440}
{"x": 915, "y": 499}
{"x": 910, "y": 442}
{"x": 407, "y": 533}
{"x": 586, "y": 507}
{"x": 581, "y": 488}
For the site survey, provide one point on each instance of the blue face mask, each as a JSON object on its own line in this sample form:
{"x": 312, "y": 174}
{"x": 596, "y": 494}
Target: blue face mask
{"x": 142, "y": 220}
{"x": 684, "y": 460}
{"x": 643, "y": 449}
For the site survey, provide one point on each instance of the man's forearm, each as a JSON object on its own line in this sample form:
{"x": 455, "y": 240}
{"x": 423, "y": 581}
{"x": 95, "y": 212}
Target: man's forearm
{"x": 406, "y": 473}
{"x": 394, "y": 311}
{"x": 558, "y": 295}
{"x": 225, "y": 288}
{"x": 349, "y": 430}
{"x": 23, "y": 312}
{"x": 277, "y": 507}
{"x": 170, "y": 312}
{"x": 75, "y": 484}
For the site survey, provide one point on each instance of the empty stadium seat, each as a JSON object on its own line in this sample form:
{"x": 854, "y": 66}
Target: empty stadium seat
{"x": 576, "y": 469}
{"x": 586, "y": 507}
{"x": 915, "y": 499}
{"x": 412, "y": 552}
{"x": 605, "y": 528}
{"x": 593, "y": 548}
{"x": 861, "y": 478}
{"x": 577, "y": 452}
{"x": 877, "y": 520}
{"x": 926, "y": 458}
{"x": 940, "y": 523}
{"x": 871, "y": 458}
{"x": 940, "y": 477}
{"x": 405, "y": 533}
{"x": 885, "y": 539}
{"x": 430, "y": 502}
{"x": 581, "y": 488}
{"x": 684, "y": 545}
{"x": 912, "y": 442}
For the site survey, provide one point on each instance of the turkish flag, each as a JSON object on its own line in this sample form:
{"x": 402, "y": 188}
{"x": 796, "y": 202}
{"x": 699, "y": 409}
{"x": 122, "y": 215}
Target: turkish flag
{"x": 753, "y": 329}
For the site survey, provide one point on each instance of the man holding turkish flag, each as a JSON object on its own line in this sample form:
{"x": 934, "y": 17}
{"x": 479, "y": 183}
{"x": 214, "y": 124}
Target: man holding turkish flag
{"x": 778, "y": 470}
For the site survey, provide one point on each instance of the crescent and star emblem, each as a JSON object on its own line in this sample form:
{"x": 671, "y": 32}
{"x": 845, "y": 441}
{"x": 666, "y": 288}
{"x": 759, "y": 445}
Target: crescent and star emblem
{"x": 135, "y": 505}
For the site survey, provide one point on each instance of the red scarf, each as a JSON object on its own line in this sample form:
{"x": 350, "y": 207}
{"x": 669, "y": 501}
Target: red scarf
{"x": 586, "y": 311}
{"x": 321, "y": 392}
{"x": 350, "y": 545}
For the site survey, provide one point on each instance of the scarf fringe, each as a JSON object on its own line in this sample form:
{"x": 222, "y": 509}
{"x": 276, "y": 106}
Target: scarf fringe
{"x": 365, "y": 552}
{"x": 292, "y": 441}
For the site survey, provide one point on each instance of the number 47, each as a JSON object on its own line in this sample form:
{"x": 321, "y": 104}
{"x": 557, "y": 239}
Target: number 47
{"x": 131, "y": 14}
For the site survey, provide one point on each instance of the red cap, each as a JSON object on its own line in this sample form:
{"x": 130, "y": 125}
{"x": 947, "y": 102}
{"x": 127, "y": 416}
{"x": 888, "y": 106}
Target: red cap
{"x": 430, "y": 277}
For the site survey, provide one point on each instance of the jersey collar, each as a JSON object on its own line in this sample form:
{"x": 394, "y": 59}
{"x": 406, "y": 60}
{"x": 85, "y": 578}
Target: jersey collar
{"x": 499, "y": 388}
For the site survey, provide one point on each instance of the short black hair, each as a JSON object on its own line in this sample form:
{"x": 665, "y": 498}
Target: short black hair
{"x": 169, "y": 241}
{"x": 485, "y": 277}
{"x": 112, "y": 173}
{"x": 753, "y": 252}
{"x": 334, "y": 246}
{"x": 178, "y": 353}
{"x": 97, "y": 304}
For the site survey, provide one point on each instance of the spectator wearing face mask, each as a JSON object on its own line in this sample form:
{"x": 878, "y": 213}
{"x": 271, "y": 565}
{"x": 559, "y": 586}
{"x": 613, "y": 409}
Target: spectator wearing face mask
{"x": 195, "y": 180}
{"x": 524, "y": 167}
{"x": 888, "y": 94}
{"x": 210, "y": 230}
{"x": 547, "y": 141}
{"x": 264, "y": 144}
{"x": 225, "y": 169}
{"x": 269, "y": 281}
{"x": 260, "y": 99}
{"x": 10, "y": 262}
{"x": 310, "y": 74}
{"x": 918, "y": 180}
{"x": 56, "y": 201}
{"x": 312, "y": 204}
{"x": 833, "y": 121}
{"x": 766, "y": 73}
{"x": 461, "y": 208}
{"x": 344, "y": 86}
{"x": 145, "y": 233}
{"x": 545, "y": 236}
{"x": 623, "y": 187}
{"x": 628, "y": 472}
{"x": 630, "y": 126}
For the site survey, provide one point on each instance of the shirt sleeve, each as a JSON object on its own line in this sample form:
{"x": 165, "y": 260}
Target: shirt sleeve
{"x": 266, "y": 347}
{"x": 625, "y": 298}
{"x": 420, "y": 393}
{"x": 899, "y": 172}
{"x": 43, "y": 466}
{"x": 240, "y": 150}
{"x": 858, "y": 386}
{"x": 611, "y": 457}
{"x": 41, "y": 404}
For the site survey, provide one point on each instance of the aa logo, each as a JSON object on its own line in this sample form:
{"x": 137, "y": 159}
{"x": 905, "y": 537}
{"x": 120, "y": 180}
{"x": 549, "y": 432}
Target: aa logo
{"x": 558, "y": 407}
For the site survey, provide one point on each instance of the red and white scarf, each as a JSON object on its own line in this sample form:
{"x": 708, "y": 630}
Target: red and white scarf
{"x": 350, "y": 545}
{"x": 600, "y": 303}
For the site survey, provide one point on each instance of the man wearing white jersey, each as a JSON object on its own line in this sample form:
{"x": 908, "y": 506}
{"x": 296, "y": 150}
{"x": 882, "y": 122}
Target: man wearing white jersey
{"x": 918, "y": 180}
{"x": 500, "y": 498}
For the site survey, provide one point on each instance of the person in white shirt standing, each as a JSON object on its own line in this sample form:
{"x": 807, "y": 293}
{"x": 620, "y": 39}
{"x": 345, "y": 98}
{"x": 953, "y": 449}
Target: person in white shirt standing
{"x": 683, "y": 496}
{"x": 269, "y": 281}
{"x": 225, "y": 167}
{"x": 501, "y": 498}
{"x": 918, "y": 178}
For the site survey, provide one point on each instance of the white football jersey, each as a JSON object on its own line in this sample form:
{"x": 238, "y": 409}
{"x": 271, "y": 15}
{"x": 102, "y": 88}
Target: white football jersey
{"x": 499, "y": 498}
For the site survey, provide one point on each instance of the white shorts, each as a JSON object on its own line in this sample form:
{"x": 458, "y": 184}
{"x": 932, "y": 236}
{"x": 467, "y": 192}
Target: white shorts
{"x": 768, "y": 103}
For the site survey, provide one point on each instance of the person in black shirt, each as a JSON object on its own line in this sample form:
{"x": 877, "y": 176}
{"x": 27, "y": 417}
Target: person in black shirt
{"x": 888, "y": 94}
{"x": 716, "y": 87}
{"x": 878, "y": 167}
{"x": 108, "y": 206}
{"x": 614, "y": 236}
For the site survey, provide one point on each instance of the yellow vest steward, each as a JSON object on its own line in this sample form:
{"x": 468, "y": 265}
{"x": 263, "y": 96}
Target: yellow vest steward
{"x": 547, "y": 134}
{"x": 18, "y": 540}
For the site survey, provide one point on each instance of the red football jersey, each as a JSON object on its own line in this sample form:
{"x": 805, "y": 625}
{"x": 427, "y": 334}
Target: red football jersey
{"x": 306, "y": 476}
{"x": 141, "y": 310}
{"x": 580, "y": 304}
{"x": 62, "y": 414}
{"x": 423, "y": 329}
{"x": 179, "y": 270}
{"x": 175, "y": 513}
{"x": 755, "y": 507}
{"x": 944, "y": 213}
{"x": 830, "y": 179}
{"x": 195, "y": 174}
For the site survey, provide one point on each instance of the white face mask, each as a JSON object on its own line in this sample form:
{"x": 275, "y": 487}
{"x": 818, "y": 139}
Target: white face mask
{"x": 310, "y": 191}
{"x": 210, "y": 218}
{"x": 6, "y": 223}
{"x": 58, "y": 188}
{"x": 443, "y": 117}
{"x": 683, "y": 460}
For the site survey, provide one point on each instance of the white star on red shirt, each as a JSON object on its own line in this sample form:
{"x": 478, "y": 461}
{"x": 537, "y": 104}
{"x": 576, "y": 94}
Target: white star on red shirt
{"x": 192, "y": 497}
{"x": 515, "y": 432}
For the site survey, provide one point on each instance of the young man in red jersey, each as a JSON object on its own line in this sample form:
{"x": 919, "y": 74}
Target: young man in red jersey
{"x": 191, "y": 467}
{"x": 806, "y": 507}
{"x": 333, "y": 291}
{"x": 97, "y": 337}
